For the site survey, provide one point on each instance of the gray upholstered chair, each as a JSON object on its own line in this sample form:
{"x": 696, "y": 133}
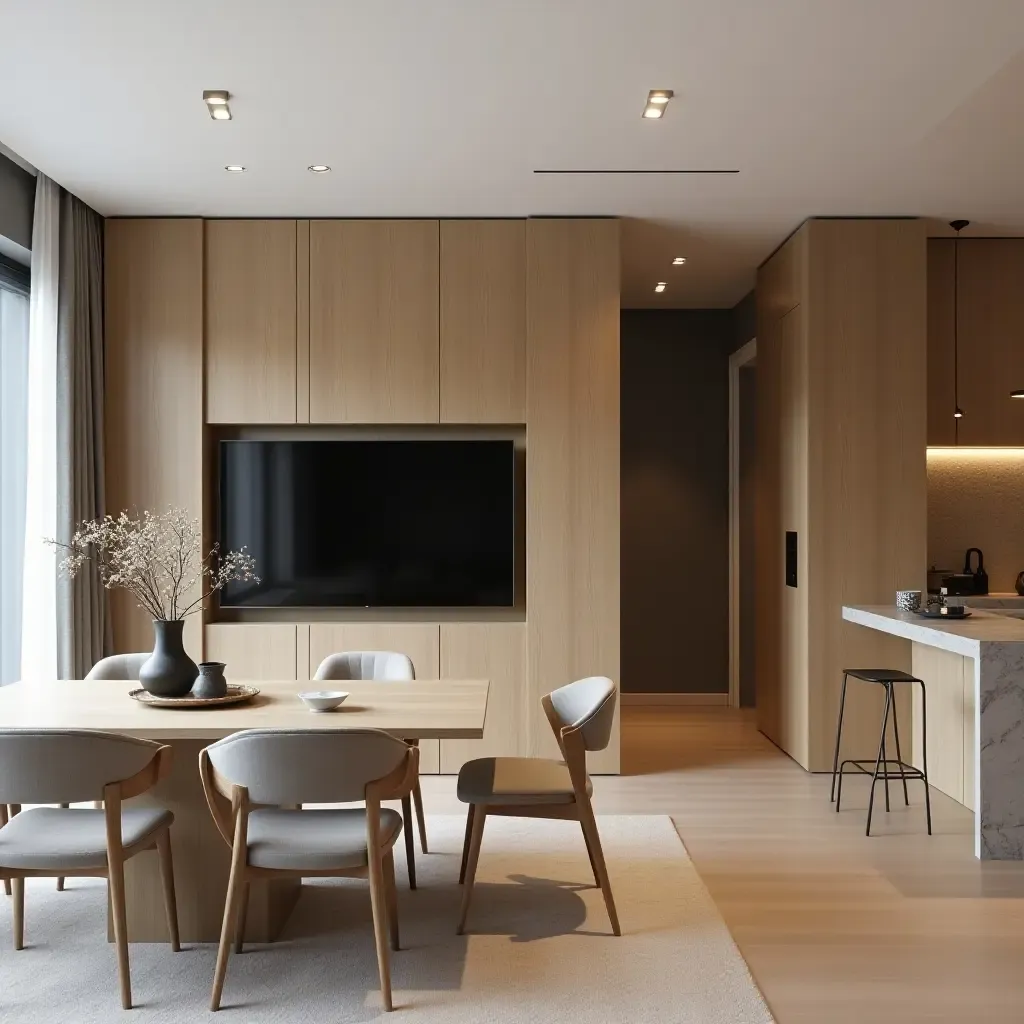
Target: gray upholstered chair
{"x": 248, "y": 771}
{"x": 581, "y": 716}
{"x": 72, "y": 766}
{"x": 118, "y": 666}
{"x": 385, "y": 667}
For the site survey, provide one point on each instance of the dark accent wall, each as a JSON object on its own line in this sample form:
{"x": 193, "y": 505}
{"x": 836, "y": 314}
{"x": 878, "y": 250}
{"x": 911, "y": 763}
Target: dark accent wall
{"x": 675, "y": 499}
{"x": 748, "y": 531}
{"x": 17, "y": 200}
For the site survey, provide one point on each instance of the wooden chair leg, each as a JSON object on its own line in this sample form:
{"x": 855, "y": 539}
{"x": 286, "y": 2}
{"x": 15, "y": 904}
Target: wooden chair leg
{"x": 590, "y": 854}
{"x": 475, "y": 839}
{"x": 19, "y": 913}
{"x": 410, "y": 850}
{"x": 392, "y": 893}
{"x": 163, "y": 846}
{"x": 589, "y": 824}
{"x": 378, "y": 902}
{"x": 236, "y": 887}
{"x": 465, "y": 842}
{"x": 117, "y": 902}
{"x": 243, "y": 914}
{"x": 417, "y": 796}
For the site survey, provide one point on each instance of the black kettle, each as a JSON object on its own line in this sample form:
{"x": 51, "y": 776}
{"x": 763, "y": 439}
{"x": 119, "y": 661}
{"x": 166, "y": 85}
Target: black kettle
{"x": 979, "y": 574}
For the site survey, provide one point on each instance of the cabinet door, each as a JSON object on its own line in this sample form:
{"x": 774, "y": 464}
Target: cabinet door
{"x": 941, "y": 391}
{"x": 250, "y": 321}
{"x": 417, "y": 640}
{"x": 483, "y": 321}
{"x": 495, "y": 651}
{"x": 255, "y": 650}
{"x": 373, "y": 321}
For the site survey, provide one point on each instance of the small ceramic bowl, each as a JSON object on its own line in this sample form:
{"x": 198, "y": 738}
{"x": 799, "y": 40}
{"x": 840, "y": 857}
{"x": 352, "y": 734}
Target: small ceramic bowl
{"x": 323, "y": 700}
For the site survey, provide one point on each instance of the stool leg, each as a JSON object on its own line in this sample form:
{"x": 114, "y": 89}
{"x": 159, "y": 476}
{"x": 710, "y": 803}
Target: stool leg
{"x": 878, "y": 760}
{"x": 839, "y": 736}
{"x": 924, "y": 756}
{"x": 899, "y": 753}
{"x": 885, "y": 760}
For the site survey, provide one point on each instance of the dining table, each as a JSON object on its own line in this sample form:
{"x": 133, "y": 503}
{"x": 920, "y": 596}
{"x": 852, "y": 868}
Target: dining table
{"x": 417, "y": 710}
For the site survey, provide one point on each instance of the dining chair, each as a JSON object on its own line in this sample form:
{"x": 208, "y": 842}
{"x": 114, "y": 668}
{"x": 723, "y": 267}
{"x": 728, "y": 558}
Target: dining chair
{"x": 384, "y": 667}
{"x": 581, "y": 716}
{"x": 72, "y": 766}
{"x": 254, "y": 780}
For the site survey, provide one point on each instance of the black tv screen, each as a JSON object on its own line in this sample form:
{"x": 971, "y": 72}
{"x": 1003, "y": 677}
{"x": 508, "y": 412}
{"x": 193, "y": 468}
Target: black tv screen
{"x": 370, "y": 523}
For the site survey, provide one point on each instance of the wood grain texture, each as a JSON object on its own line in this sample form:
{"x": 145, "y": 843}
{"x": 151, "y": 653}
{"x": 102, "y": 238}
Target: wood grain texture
{"x": 250, "y": 275}
{"x": 944, "y": 675}
{"x": 483, "y": 321}
{"x": 941, "y": 390}
{"x": 373, "y": 321}
{"x": 991, "y": 340}
{"x": 253, "y": 651}
{"x": 419, "y": 641}
{"x": 572, "y": 373}
{"x": 495, "y": 651}
{"x": 153, "y": 404}
{"x": 302, "y": 321}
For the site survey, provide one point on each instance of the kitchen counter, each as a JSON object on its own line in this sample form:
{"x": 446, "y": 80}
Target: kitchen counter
{"x": 993, "y": 754}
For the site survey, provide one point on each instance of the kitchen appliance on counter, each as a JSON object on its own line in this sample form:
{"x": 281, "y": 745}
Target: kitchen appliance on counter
{"x": 935, "y": 578}
{"x": 979, "y": 574}
{"x": 1019, "y": 584}
{"x": 972, "y": 582}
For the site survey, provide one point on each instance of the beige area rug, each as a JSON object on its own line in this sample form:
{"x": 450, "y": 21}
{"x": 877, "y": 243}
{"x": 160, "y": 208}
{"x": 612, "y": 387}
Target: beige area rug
{"x": 540, "y": 949}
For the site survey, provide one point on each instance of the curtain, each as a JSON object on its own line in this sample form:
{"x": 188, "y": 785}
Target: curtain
{"x": 83, "y": 624}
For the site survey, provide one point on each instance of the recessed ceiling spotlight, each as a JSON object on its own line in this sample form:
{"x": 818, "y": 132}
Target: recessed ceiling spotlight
{"x": 319, "y": 168}
{"x": 657, "y": 101}
{"x": 678, "y": 261}
{"x": 216, "y": 101}
{"x": 234, "y": 168}
{"x": 660, "y": 286}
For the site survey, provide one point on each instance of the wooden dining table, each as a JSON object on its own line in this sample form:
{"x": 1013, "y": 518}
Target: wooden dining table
{"x": 419, "y": 710}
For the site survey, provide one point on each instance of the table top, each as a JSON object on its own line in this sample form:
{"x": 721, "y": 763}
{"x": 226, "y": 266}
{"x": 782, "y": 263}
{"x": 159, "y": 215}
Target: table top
{"x": 959, "y": 636}
{"x": 423, "y": 709}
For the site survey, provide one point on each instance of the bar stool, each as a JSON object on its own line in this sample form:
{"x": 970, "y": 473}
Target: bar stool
{"x": 886, "y": 677}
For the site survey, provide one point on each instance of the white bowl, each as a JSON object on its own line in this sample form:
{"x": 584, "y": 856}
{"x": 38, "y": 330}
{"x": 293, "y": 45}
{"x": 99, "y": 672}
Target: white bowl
{"x": 322, "y": 700}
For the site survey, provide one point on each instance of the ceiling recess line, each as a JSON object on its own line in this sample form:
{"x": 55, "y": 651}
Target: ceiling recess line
{"x": 614, "y": 170}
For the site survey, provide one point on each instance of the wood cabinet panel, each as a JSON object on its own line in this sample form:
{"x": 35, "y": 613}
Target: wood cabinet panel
{"x": 373, "y": 321}
{"x": 483, "y": 321}
{"x": 253, "y": 650}
{"x": 250, "y": 274}
{"x": 941, "y": 390}
{"x": 494, "y": 651}
{"x": 945, "y": 675}
{"x": 421, "y": 642}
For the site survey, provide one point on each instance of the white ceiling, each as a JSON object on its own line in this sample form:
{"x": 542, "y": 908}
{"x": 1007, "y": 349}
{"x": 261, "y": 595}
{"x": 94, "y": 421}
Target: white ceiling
{"x": 445, "y": 108}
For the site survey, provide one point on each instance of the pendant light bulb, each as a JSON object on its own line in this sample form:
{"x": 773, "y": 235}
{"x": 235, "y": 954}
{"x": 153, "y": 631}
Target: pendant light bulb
{"x": 958, "y": 413}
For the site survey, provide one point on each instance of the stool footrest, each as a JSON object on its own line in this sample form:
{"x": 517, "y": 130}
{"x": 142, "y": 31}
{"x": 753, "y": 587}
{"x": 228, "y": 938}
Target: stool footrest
{"x": 867, "y": 767}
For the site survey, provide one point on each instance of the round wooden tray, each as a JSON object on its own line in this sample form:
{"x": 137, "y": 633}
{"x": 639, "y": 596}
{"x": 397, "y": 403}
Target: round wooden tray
{"x": 235, "y": 695}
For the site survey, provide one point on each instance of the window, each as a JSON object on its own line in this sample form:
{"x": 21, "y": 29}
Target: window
{"x": 13, "y": 459}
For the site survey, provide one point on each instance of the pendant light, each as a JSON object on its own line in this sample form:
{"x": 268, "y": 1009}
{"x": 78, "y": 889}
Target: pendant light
{"x": 957, "y": 226}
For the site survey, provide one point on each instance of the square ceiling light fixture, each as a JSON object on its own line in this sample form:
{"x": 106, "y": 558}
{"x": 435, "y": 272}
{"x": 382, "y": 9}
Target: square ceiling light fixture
{"x": 216, "y": 101}
{"x": 657, "y": 101}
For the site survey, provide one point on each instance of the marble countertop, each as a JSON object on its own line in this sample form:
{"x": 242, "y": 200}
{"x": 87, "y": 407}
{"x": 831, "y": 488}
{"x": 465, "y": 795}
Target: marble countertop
{"x": 964, "y": 637}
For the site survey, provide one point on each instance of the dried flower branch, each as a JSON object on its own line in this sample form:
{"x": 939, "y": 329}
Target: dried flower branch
{"x": 157, "y": 558}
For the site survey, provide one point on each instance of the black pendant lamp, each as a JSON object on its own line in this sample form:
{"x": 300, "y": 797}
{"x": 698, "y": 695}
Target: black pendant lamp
{"x": 957, "y": 226}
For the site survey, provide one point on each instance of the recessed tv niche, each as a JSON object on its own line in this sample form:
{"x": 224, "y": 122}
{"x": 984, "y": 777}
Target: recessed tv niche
{"x": 378, "y": 524}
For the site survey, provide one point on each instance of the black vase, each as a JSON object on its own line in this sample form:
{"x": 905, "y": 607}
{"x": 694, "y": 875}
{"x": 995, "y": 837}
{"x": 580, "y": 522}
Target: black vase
{"x": 211, "y": 681}
{"x": 169, "y": 671}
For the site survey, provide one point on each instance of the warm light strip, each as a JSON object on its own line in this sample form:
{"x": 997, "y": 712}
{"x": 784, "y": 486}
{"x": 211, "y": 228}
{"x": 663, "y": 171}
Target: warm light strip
{"x": 993, "y": 452}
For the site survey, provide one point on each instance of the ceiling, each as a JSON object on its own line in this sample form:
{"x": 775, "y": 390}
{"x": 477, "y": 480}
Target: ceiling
{"x": 445, "y": 108}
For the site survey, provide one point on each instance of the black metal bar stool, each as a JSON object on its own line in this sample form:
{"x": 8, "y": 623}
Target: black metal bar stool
{"x": 881, "y": 766}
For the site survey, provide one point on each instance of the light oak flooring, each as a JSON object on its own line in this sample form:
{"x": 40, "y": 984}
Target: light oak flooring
{"x": 836, "y": 927}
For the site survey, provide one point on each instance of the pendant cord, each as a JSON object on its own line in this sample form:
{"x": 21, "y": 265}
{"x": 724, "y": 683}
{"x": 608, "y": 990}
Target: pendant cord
{"x": 956, "y": 336}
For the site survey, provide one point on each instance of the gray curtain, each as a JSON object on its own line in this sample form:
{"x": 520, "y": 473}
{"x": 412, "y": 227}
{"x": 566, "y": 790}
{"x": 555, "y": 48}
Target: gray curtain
{"x": 83, "y": 620}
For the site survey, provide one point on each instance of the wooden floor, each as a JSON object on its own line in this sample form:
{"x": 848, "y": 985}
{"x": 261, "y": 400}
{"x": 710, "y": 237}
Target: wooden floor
{"x": 836, "y": 927}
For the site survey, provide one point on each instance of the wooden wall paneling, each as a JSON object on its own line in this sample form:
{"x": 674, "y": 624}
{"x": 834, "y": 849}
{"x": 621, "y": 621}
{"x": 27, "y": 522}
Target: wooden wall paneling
{"x": 494, "y": 651}
{"x": 483, "y": 321}
{"x": 302, "y": 321}
{"x": 303, "y": 670}
{"x": 373, "y": 321}
{"x": 253, "y": 650}
{"x": 420, "y": 641}
{"x": 572, "y": 374}
{"x": 153, "y": 404}
{"x": 991, "y": 340}
{"x": 944, "y": 675}
{"x": 250, "y": 271}
{"x": 941, "y": 392}
{"x": 867, "y": 495}
{"x": 970, "y": 732}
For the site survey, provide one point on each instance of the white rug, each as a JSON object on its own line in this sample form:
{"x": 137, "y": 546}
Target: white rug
{"x": 540, "y": 948}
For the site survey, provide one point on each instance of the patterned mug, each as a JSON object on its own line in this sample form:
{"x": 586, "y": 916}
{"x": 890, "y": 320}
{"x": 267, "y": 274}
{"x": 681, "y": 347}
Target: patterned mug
{"x": 908, "y": 600}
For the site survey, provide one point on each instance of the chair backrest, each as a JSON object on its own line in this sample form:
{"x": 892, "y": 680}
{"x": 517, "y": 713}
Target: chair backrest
{"x": 383, "y": 666}
{"x": 587, "y": 705}
{"x": 306, "y": 766}
{"x": 67, "y": 766}
{"x": 118, "y": 666}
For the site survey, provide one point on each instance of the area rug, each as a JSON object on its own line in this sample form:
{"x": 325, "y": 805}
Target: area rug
{"x": 540, "y": 948}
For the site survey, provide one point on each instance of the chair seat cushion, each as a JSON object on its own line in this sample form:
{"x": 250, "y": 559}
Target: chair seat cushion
{"x": 515, "y": 781}
{"x": 315, "y": 840}
{"x": 72, "y": 839}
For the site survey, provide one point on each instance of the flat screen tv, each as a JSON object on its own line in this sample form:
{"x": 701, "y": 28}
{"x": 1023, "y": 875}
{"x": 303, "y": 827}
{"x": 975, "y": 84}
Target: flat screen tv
{"x": 380, "y": 524}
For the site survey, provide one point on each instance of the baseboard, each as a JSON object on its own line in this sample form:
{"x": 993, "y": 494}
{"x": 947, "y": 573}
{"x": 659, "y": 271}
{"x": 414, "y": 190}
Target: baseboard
{"x": 674, "y": 699}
